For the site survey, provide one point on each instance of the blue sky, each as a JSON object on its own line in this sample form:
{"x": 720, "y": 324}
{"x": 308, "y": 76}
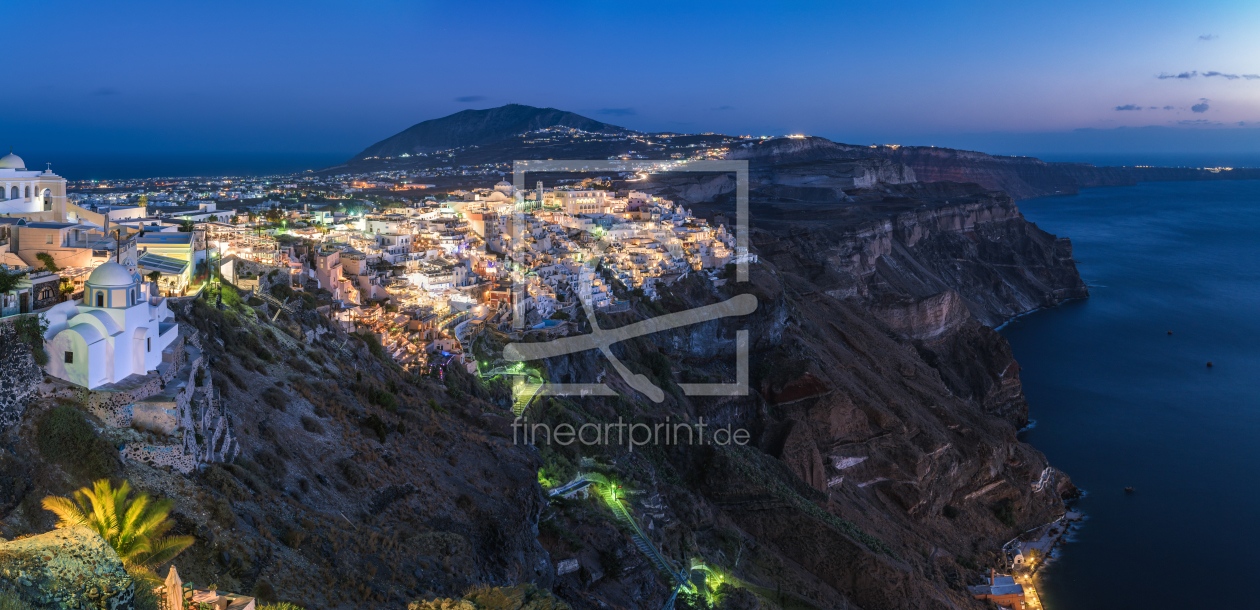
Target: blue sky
{"x": 331, "y": 77}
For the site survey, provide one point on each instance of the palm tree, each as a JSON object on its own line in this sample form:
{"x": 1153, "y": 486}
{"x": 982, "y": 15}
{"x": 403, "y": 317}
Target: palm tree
{"x": 135, "y": 527}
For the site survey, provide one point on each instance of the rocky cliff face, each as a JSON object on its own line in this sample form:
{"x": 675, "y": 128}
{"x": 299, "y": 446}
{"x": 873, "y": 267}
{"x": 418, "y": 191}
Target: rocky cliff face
{"x": 1019, "y": 177}
{"x": 881, "y": 397}
{"x": 898, "y": 253}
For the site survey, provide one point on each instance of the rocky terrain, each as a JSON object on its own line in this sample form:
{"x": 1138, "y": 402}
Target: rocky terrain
{"x": 1019, "y": 177}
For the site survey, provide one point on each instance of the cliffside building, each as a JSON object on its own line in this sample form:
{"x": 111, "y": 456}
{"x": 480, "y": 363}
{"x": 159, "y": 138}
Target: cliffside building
{"x": 117, "y": 330}
{"x": 1001, "y": 590}
{"x": 34, "y": 195}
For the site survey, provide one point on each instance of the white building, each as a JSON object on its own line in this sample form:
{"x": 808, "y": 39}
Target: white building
{"x": 115, "y": 331}
{"x": 27, "y": 192}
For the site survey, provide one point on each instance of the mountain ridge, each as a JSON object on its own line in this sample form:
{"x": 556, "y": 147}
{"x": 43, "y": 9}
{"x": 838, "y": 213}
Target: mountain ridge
{"x": 477, "y": 127}
{"x": 497, "y": 136}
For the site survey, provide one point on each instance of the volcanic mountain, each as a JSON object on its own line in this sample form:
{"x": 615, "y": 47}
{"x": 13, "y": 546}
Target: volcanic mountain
{"x": 479, "y": 127}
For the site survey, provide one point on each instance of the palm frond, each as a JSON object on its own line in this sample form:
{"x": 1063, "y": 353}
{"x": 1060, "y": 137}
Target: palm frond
{"x": 134, "y": 527}
{"x": 166, "y": 549}
{"x": 68, "y": 513}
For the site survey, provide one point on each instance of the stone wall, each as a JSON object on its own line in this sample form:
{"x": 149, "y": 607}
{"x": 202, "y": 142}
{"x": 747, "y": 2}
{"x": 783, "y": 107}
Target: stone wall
{"x": 170, "y": 403}
{"x": 53, "y": 284}
{"x": 161, "y": 455}
{"x": 66, "y": 568}
{"x": 19, "y": 376}
{"x": 260, "y": 272}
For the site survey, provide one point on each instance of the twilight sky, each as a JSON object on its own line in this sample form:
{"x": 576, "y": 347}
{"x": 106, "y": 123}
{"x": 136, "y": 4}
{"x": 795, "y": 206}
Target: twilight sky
{"x": 333, "y": 77}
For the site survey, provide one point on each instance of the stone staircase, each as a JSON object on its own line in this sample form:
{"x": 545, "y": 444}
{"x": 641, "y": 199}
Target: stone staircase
{"x": 523, "y": 394}
{"x": 639, "y": 539}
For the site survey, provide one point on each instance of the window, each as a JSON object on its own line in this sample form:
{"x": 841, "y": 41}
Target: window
{"x": 45, "y": 293}
{"x": 148, "y": 344}
{"x": 100, "y": 299}
{"x": 48, "y": 238}
{"x": 69, "y": 357}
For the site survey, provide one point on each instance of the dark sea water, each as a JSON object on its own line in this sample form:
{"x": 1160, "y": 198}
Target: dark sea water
{"x": 95, "y": 166}
{"x": 1158, "y": 159}
{"x": 1118, "y": 402}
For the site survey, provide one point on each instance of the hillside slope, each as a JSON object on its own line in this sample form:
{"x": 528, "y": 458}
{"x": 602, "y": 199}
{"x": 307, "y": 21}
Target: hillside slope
{"x": 479, "y": 127}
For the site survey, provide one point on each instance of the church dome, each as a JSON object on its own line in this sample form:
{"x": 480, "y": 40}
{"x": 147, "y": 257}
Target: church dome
{"x": 12, "y": 161}
{"x": 111, "y": 275}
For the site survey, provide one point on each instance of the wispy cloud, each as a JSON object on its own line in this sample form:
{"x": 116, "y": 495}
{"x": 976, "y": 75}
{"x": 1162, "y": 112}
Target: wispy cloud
{"x": 106, "y": 91}
{"x": 1208, "y": 74}
{"x": 1197, "y": 122}
{"x": 1208, "y": 37}
{"x": 617, "y": 111}
{"x": 1130, "y": 107}
{"x": 1200, "y": 107}
{"x": 470, "y": 98}
{"x": 723, "y": 108}
{"x": 1170, "y": 107}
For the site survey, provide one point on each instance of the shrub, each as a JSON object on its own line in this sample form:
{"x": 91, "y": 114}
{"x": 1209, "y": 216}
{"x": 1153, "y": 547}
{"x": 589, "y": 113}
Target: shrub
{"x": 47, "y": 259}
{"x": 10, "y": 601}
{"x": 658, "y": 363}
{"x": 312, "y": 425}
{"x": 65, "y": 437}
{"x": 224, "y": 367}
{"x": 145, "y": 598}
{"x": 1005, "y": 512}
{"x": 221, "y": 510}
{"x": 375, "y": 424}
{"x": 293, "y": 538}
{"x": 264, "y": 592}
{"x": 30, "y": 330}
{"x": 271, "y": 462}
{"x": 225, "y": 483}
{"x": 281, "y": 291}
{"x": 275, "y": 398}
{"x": 351, "y": 472}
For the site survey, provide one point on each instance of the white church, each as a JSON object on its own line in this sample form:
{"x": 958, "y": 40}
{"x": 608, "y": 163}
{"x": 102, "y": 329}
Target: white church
{"x": 119, "y": 329}
{"x": 24, "y": 191}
